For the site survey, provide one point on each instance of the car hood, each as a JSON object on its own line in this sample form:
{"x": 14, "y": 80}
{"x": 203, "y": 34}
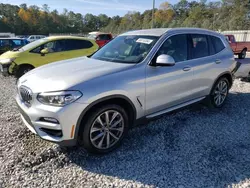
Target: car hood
{"x": 10, "y": 54}
{"x": 66, "y": 74}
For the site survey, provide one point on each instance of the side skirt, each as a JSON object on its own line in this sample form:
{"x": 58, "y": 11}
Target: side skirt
{"x": 174, "y": 108}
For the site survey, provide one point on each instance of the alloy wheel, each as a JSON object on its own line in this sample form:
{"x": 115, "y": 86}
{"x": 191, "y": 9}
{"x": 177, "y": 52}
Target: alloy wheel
{"x": 220, "y": 92}
{"x": 107, "y": 129}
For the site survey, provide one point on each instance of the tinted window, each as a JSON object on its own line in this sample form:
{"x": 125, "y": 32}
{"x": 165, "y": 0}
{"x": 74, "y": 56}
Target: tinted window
{"x": 17, "y": 42}
{"x": 211, "y": 46}
{"x": 78, "y": 44}
{"x": 104, "y": 37}
{"x": 199, "y": 46}
{"x": 53, "y": 46}
{"x": 4, "y": 42}
{"x": 175, "y": 46}
{"x": 217, "y": 43}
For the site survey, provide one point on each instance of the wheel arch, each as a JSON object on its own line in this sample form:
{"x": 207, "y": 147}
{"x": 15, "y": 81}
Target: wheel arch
{"x": 121, "y": 100}
{"x": 227, "y": 75}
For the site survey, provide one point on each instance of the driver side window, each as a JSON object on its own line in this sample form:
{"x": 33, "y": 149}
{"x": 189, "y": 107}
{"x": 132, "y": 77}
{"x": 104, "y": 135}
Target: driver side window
{"x": 53, "y": 46}
{"x": 176, "y": 47}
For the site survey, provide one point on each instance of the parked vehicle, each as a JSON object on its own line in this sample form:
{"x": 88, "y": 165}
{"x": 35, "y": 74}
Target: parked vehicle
{"x": 239, "y": 48}
{"x": 45, "y": 51}
{"x": 33, "y": 38}
{"x": 138, "y": 75}
{"x": 7, "y": 44}
{"x": 100, "y": 38}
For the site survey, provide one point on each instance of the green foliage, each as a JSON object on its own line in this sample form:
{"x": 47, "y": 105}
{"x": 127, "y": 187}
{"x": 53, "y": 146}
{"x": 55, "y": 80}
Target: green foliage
{"x": 220, "y": 15}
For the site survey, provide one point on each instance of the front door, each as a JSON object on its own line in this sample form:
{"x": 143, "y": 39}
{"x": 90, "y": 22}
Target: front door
{"x": 56, "y": 53}
{"x": 170, "y": 86}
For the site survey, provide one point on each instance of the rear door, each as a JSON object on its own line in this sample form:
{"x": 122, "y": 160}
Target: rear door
{"x": 206, "y": 61}
{"x": 78, "y": 48}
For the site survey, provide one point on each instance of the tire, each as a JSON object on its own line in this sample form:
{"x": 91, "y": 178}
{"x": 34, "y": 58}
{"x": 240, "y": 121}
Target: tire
{"x": 94, "y": 136}
{"x": 23, "y": 70}
{"x": 243, "y": 54}
{"x": 218, "y": 97}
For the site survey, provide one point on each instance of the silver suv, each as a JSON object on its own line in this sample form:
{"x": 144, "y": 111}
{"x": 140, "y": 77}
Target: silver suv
{"x": 138, "y": 75}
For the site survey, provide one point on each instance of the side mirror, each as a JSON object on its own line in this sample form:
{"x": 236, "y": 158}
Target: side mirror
{"x": 165, "y": 60}
{"x": 44, "y": 51}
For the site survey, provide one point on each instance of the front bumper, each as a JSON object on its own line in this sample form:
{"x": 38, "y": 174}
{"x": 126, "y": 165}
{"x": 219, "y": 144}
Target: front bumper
{"x": 67, "y": 121}
{"x": 4, "y": 68}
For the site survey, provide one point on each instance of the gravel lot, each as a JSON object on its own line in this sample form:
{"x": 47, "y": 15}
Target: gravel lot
{"x": 196, "y": 147}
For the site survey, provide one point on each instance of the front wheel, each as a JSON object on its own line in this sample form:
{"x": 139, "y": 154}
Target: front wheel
{"x": 219, "y": 93}
{"x": 23, "y": 70}
{"x": 105, "y": 129}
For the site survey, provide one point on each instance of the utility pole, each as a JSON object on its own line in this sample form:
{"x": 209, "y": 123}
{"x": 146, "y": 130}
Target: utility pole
{"x": 153, "y": 12}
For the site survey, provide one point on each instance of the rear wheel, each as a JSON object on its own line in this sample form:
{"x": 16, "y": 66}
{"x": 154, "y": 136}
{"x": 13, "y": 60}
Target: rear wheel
{"x": 219, "y": 93}
{"x": 23, "y": 70}
{"x": 105, "y": 129}
{"x": 243, "y": 54}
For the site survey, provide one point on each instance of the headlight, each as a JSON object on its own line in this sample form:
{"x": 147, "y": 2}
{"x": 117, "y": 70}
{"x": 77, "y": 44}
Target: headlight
{"x": 10, "y": 60}
{"x": 60, "y": 98}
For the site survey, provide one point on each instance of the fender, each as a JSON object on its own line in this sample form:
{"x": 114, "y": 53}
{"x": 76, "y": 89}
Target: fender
{"x": 78, "y": 124}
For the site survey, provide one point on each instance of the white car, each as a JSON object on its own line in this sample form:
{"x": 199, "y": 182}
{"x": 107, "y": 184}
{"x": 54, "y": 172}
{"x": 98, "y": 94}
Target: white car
{"x": 33, "y": 38}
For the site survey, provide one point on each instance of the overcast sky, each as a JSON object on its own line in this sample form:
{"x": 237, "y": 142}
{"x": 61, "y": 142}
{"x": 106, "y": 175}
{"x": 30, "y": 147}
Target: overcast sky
{"x": 109, "y": 7}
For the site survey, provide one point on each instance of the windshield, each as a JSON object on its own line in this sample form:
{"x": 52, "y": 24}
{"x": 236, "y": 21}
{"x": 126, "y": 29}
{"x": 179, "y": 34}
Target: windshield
{"x": 126, "y": 49}
{"x": 34, "y": 44}
{"x": 92, "y": 36}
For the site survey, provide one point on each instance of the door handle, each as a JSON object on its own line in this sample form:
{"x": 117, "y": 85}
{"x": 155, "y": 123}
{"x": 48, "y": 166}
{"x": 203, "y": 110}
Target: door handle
{"x": 186, "y": 69}
{"x": 217, "y": 61}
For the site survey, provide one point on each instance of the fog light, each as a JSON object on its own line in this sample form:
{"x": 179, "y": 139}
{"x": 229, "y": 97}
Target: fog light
{"x": 51, "y": 132}
{"x": 49, "y": 119}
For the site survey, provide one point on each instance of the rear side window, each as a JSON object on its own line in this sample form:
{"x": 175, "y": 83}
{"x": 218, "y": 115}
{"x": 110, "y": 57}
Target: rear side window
{"x": 217, "y": 44}
{"x": 17, "y": 42}
{"x": 104, "y": 37}
{"x": 199, "y": 46}
{"x": 78, "y": 44}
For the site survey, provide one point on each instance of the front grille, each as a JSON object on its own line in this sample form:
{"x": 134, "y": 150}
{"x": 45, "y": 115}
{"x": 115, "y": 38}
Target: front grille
{"x": 26, "y": 95}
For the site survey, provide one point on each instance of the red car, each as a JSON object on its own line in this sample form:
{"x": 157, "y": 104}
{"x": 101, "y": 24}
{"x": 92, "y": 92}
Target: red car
{"x": 239, "y": 48}
{"x": 100, "y": 38}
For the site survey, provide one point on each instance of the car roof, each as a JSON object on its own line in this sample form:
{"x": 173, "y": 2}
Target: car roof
{"x": 98, "y": 33}
{"x": 66, "y": 37}
{"x": 160, "y": 31}
{"x": 149, "y": 32}
{"x": 12, "y": 38}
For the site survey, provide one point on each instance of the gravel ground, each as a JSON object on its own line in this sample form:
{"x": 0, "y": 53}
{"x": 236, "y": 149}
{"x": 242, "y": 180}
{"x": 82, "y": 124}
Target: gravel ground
{"x": 195, "y": 147}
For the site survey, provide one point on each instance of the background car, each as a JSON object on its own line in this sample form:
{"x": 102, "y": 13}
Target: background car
{"x": 45, "y": 51}
{"x": 33, "y": 38}
{"x": 239, "y": 48}
{"x": 7, "y": 44}
{"x": 100, "y": 38}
